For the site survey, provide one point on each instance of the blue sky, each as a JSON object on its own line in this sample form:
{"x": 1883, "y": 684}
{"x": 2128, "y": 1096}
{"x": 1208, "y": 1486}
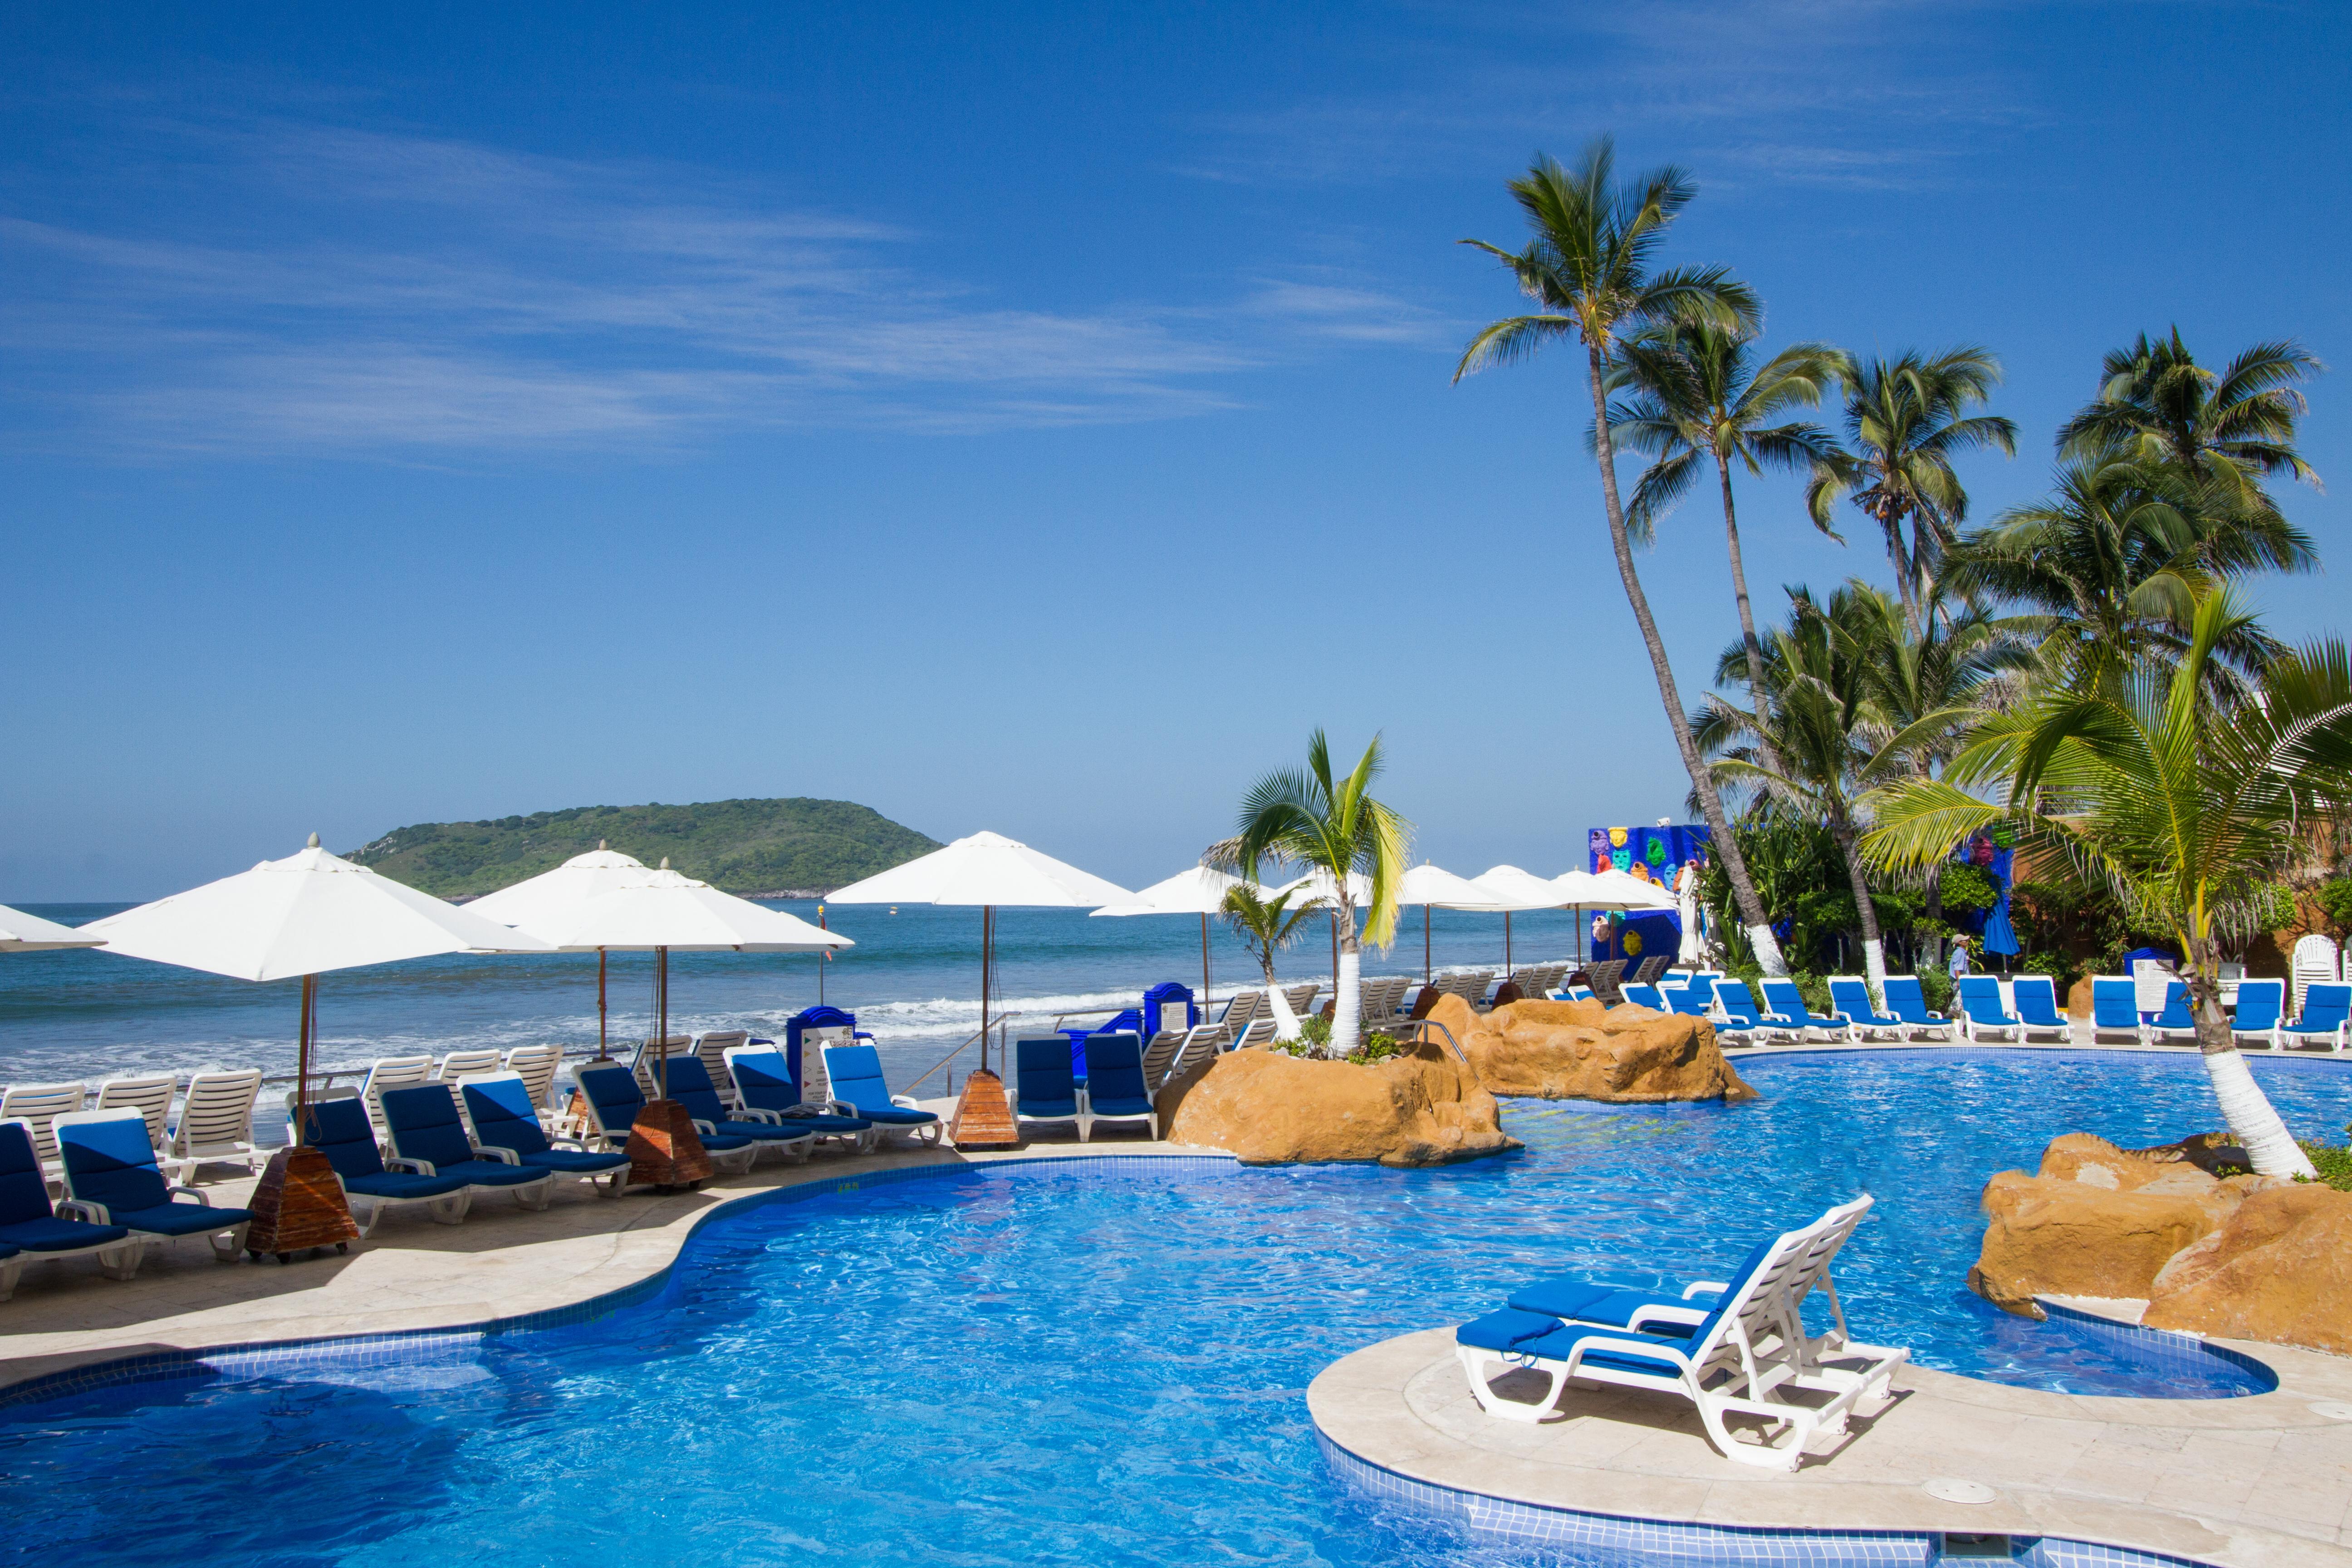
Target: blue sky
{"x": 1022, "y": 417}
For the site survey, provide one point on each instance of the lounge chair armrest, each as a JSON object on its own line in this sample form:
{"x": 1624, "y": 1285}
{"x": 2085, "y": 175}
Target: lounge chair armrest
{"x": 84, "y": 1210}
{"x": 499, "y": 1152}
{"x": 175, "y": 1192}
{"x": 1704, "y": 1288}
{"x": 710, "y": 1127}
{"x": 566, "y": 1141}
{"x": 402, "y": 1162}
{"x": 905, "y": 1101}
{"x": 830, "y": 1107}
{"x": 752, "y": 1113}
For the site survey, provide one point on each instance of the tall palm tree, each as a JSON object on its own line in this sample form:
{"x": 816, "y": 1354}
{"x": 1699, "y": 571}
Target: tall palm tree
{"x": 1266, "y": 927}
{"x": 1693, "y": 387}
{"x": 2141, "y": 788}
{"x": 1905, "y": 419}
{"x": 1818, "y": 742}
{"x": 1332, "y": 825}
{"x": 1591, "y": 269}
{"x": 2110, "y": 568}
{"x": 2234, "y": 429}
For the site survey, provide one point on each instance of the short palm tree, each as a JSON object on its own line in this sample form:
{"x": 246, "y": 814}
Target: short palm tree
{"x": 1591, "y": 269}
{"x": 1332, "y": 825}
{"x": 2109, "y": 569}
{"x": 1694, "y": 396}
{"x": 2235, "y": 428}
{"x": 1266, "y": 927}
{"x": 1905, "y": 419}
{"x": 2140, "y": 787}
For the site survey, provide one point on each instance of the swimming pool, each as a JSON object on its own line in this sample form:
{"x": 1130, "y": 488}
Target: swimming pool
{"x": 1057, "y": 1363}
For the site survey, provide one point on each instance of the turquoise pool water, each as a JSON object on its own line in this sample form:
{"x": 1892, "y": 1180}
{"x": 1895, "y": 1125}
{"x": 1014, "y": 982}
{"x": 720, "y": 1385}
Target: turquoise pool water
{"x": 1042, "y": 1364}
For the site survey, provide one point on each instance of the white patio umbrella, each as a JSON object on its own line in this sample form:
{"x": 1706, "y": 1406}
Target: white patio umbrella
{"x": 989, "y": 871}
{"x": 1514, "y": 890}
{"x": 21, "y": 933}
{"x": 1197, "y": 891}
{"x": 554, "y": 897}
{"x": 306, "y": 915}
{"x": 1434, "y": 888}
{"x": 661, "y": 909}
{"x": 1610, "y": 890}
{"x": 1319, "y": 887}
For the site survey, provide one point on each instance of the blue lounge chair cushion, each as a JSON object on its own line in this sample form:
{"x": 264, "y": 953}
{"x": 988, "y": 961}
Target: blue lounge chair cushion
{"x": 2259, "y": 1002}
{"x": 1504, "y": 1330}
{"x": 112, "y": 1164}
{"x": 1979, "y": 997}
{"x": 2114, "y": 1005}
{"x": 855, "y": 1074}
{"x": 898, "y": 1115}
{"x": 179, "y": 1219}
{"x": 572, "y": 1162}
{"x": 1582, "y": 1301}
{"x": 47, "y": 1233}
{"x": 423, "y": 1124}
{"x": 798, "y": 1121}
{"x": 504, "y": 1117}
{"x": 2036, "y": 996}
{"x": 402, "y": 1186}
{"x": 1115, "y": 1084}
{"x": 1044, "y": 1110}
{"x": 2176, "y": 1013}
{"x": 1566, "y": 1337}
{"x": 1045, "y": 1087}
{"x": 1907, "y": 1002}
{"x": 23, "y": 1190}
{"x": 691, "y": 1086}
{"x": 1852, "y": 997}
{"x": 490, "y": 1173}
{"x": 1123, "y": 1105}
{"x": 339, "y": 1130}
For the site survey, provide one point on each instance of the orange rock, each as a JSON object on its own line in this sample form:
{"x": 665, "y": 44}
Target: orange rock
{"x": 1419, "y": 1109}
{"x": 2280, "y": 1270}
{"x": 1581, "y": 1050}
{"x": 2097, "y": 1221}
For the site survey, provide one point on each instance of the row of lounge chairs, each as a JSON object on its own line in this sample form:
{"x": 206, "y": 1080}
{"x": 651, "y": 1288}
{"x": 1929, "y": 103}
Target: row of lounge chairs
{"x": 1736, "y": 1348}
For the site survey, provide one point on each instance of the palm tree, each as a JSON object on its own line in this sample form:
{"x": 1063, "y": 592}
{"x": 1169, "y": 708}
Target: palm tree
{"x": 2232, "y": 429}
{"x": 2111, "y": 567}
{"x": 1695, "y": 388}
{"x": 2140, "y": 788}
{"x": 1266, "y": 926}
{"x": 1905, "y": 419}
{"x": 1590, "y": 267}
{"x": 1817, "y": 745}
{"x": 1333, "y": 825}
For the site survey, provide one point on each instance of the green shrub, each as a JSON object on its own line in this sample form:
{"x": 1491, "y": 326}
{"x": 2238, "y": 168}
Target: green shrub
{"x": 2335, "y": 1164}
{"x": 2061, "y": 967}
{"x": 1936, "y": 986}
{"x": 2335, "y": 902}
{"x": 1377, "y": 1047}
{"x": 1968, "y": 888}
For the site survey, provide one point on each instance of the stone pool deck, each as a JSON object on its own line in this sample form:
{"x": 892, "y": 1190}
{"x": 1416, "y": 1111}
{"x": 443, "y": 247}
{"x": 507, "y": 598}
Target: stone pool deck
{"x": 2263, "y": 1481}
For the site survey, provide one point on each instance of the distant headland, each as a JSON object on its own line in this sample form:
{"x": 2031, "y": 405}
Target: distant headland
{"x": 757, "y": 848}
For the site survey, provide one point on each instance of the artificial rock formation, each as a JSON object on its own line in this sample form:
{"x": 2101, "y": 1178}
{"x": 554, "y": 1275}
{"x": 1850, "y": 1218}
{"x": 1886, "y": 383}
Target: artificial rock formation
{"x": 1422, "y": 1108}
{"x": 2243, "y": 1256}
{"x": 1582, "y": 1050}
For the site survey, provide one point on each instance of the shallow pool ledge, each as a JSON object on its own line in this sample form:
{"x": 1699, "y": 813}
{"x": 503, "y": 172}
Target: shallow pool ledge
{"x": 2262, "y": 1481}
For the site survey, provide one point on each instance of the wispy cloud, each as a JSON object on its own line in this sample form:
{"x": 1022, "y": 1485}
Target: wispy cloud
{"x": 335, "y": 289}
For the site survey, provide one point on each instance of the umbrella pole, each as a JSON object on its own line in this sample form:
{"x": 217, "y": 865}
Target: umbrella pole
{"x": 987, "y": 939}
{"x": 661, "y": 1016}
{"x": 1506, "y": 944}
{"x": 1425, "y": 975}
{"x": 1335, "y": 956}
{"x": 302, "y": 1054}
{"x": 602, "y": 1051}
{"x": 1204, "y": 957}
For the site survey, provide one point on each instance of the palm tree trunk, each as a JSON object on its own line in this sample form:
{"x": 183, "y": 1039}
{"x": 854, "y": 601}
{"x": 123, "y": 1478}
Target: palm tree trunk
{"x": 1348, "y": 1004}
{"x": 1710, "y": 804}
{"x": 1746, "y": 617}
{"x": 1890, "y": 520}
{"x": 1874, "y": 949}
{"x": 2252, "y": 1121}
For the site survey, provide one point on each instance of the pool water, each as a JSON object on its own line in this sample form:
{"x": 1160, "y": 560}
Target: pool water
{"x": 1037, "y": 1364}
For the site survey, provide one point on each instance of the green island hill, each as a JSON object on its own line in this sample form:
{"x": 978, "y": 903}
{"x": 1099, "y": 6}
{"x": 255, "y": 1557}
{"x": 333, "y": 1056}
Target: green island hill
{"x": 758, "y": 848}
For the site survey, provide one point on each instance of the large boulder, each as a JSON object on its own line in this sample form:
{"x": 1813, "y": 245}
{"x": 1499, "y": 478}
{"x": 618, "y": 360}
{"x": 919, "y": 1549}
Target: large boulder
{"x": 1420, "y": 1107}
{"x": 1582, "y": 1050}
{"x": 2096, "y": 1221}
{"x": 2280, "y": 1270}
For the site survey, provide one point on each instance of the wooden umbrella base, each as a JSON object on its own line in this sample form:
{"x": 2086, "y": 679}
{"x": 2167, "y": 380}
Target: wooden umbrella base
{"x": 664, "y": 1150}
{"x": 983, "y": 1117}
{"x": 299, "y": 1205}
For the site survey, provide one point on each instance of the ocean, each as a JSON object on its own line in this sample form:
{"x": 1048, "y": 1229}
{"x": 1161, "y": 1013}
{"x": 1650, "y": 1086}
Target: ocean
{"x": 913, "y": 980}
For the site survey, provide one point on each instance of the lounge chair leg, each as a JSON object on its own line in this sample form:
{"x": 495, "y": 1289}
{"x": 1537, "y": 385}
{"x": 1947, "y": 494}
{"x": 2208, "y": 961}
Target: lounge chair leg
{"x": 1474, "y": 1363}
{"x": 533, "y": 1195}
{"x": 10, "y": 1270}
{"x": 227, "y": 1243}
{"x": 122, "y": 1262}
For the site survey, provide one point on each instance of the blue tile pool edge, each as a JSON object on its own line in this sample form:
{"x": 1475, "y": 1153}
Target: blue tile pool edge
{"x": 403, "y": 1346}
{"x": 1757, "y": 1545}
{"x": 2147, "y": 1344}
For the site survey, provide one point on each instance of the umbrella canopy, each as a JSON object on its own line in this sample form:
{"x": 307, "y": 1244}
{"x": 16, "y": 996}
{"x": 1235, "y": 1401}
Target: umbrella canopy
{"x": 1199, "y": 891}
{"x": 307, "y": 914}
{"x": 555, "y": 897}
{"x": 1434, "y": 887}
{"x": 1317, "y": 887}
{"x": 21, "y": 933}
{"x": 1514, "y": 890}
{"x": 666, "y": 909}
{"x": 985, "y": 871}
{"x": 1611, "y": 889}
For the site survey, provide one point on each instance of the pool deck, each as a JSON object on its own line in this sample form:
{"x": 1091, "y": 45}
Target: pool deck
{"x": 2262, "y": 1481}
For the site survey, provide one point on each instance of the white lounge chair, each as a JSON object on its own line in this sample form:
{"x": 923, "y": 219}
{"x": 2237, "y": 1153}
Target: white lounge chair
{"x": 37, "y": 1106}
{"x": 149, "y": 1094}
{"x": 216, "y": 1125}
{"x": 2316, "y": 960}
{"x": 1242, "y": 1010}
{"x": 537, "y": 1065}
{"x": 2037, "y": 1009}
{"x": 389, "y": 1073}
{"x": 113, "y": 1177}
{"x": 1301, "y": 997}
{"x": 712, "y": 1046}
{"x": 458, "y": 1065}
{"x": 647, "y": 1061}
{"x": 1734, "y": 1361}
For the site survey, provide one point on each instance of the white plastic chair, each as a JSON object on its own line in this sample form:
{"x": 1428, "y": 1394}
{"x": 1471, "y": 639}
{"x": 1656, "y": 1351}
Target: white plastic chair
{"x": 37, "y": 1106}
{"x": 2316, "y": 960}
{"x": 712, "y": 1046}
{"x": 458, "y": 1065}
{"x": 390, "y": 1072}
{"x": 537, "y": 1064}
{"x": 216, "y": 1125}
{"x": 149, "y": 1094}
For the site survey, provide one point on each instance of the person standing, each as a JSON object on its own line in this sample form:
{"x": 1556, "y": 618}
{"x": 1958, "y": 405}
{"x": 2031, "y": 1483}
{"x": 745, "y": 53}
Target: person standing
{"x": 1691, "y": 949}
{"x": 1958, "y": 962}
